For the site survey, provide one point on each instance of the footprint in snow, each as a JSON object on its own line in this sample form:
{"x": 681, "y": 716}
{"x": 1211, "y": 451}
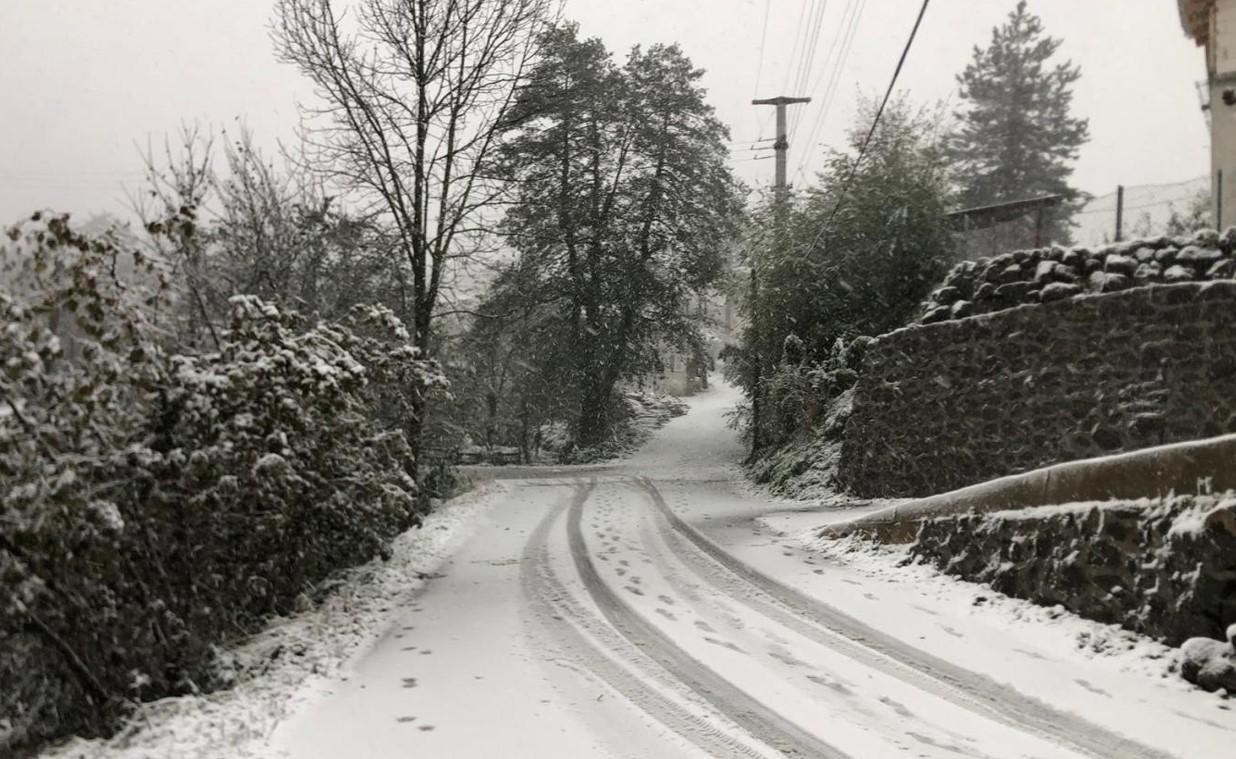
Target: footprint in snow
{"x": 636, "y": 591}
{"x": 936, "y": 744}
{"x": 724, "y": 644}
{"x": 426, "y": 651}
{"x": 409, "y": 682}
{"x": 788, "y": 659}
{"x": 951, "y": 631}
{"x": 620, "y": 572}
{"x": 901, "y": 710}
{"x": 701, "y": 624}
{"x": 405, "y": 719}
{"x": 425, "y": 728}
{"x": 1092, "y": 689}
{"x": 830, "y": 684}
{"x": 668, "y": 615}
{"x": 623, "y": 562}
{"x": 408, "y": 648}
{"x": 666, "y": 600}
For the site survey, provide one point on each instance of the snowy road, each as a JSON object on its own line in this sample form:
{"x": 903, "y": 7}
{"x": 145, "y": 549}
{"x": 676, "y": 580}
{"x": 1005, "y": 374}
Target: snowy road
{"x": 641, "y": 610}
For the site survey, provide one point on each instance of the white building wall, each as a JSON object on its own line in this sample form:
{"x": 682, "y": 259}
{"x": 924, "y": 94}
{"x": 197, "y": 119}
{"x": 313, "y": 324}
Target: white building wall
{"x": 1221, "y": 54}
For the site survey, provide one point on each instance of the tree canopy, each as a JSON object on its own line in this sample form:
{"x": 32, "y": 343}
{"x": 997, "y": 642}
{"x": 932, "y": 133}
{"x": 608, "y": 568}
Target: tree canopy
{"x": 1016, "y": 136}
{"x": 622, "y": 210}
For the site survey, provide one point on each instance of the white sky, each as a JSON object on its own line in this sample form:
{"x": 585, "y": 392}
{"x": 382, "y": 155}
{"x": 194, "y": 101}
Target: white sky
{"x": 84, "y": 82}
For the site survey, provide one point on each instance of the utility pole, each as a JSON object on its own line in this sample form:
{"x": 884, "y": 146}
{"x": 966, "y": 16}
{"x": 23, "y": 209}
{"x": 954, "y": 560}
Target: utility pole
{"x": 1119, "y": 213}
{"x": 780, "y": 199}
{"x": 782, "y": 144}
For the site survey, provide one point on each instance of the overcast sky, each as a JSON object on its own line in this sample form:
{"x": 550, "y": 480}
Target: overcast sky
{"x": 84, "y": 82}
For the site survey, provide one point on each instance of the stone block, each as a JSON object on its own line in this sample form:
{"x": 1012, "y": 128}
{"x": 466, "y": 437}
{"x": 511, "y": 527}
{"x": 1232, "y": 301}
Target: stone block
{"x": 1223, "y": 269}
{"x": 1178, "y": 273}
{"x": 1197, "y": 257}
{"x": 1059, "y": 291}
{"x": 1120, "y": 265}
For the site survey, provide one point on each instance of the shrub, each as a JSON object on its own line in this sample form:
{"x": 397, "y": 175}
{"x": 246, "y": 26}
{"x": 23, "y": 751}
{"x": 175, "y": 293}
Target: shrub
{"x": 156, "y": 504}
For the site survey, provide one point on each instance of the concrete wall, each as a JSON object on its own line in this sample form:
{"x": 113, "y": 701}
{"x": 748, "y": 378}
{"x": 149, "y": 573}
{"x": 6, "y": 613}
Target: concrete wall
{"x": 945, "y": 405}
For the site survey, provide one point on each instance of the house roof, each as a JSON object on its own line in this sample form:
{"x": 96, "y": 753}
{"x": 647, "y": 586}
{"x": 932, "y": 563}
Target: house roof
{"x": 989, "y": 216}
{"x": 1195, "y": 18}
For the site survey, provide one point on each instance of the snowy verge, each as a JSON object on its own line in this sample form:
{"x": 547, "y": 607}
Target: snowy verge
{"x": 1057, "y": 629}
{"x": 276, "y": 671}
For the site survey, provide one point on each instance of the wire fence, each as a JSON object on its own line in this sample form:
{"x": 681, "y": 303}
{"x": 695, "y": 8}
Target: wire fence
{"x": 1146, "y": 211}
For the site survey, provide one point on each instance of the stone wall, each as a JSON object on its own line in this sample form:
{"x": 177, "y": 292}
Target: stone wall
{"x": 1048, "y": 274}
{"x": 949, "y": 404}
{"x": 1161, "y": 568}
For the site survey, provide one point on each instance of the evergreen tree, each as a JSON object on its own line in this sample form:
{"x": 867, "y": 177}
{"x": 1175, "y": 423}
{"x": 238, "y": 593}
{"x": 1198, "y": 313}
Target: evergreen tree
{"x": 623, "y": 205}
{"x": 1016, "y": 138}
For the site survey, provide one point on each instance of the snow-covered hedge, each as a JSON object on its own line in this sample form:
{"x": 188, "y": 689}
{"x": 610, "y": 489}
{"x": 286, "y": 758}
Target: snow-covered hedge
{"x": 155, "y": 503}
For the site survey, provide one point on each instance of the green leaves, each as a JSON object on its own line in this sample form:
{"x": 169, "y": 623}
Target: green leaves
{"x": 623, "y": 206}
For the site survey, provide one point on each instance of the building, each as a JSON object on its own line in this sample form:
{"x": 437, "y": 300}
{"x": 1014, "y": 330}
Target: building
{"x": 1212, "y": 24}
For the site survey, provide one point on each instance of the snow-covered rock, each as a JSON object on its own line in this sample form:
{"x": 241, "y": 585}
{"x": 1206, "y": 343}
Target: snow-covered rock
{"x": 1210, "y": 664}
{"x": 1018, "y": 278}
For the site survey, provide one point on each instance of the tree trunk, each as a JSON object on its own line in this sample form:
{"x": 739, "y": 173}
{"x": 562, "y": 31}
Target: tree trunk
{"x": 594, "y": 396}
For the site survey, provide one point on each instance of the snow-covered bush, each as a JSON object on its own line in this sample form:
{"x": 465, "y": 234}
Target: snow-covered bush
{"x": 154, "y": 504}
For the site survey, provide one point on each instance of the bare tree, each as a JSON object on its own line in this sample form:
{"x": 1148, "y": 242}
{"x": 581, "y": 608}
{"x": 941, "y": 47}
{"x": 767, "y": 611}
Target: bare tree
{"x": 413, "y": 98}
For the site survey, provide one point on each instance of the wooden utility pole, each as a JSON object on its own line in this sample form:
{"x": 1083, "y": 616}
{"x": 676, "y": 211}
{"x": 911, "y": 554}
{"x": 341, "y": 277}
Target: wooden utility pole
{"x": 780, "y": 199}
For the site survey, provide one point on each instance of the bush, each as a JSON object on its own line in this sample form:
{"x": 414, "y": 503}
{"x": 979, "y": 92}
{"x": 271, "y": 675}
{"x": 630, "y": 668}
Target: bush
{"x": 156, "y": 504}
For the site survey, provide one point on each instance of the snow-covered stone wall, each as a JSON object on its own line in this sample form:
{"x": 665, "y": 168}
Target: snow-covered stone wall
{"x": 1049, "y": 274}
{"x": 1164, "y": 568}
{"x": 945, "y": 405}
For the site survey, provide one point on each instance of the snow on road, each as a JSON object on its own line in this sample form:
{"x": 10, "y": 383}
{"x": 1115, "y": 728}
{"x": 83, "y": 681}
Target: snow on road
{"x": 657, "y": 607}
{"x": 646, "y": 609}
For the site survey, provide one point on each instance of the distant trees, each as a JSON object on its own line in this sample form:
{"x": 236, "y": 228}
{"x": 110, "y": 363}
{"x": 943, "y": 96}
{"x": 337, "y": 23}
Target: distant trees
{"x": 229, "y": 221}
{"x": 1016, "y": 136}
{"x": 413, "y": 94}
{"x": 855, "y": 259}
{"x": 1196, "y": 214}
{"x": 622, "y": 206}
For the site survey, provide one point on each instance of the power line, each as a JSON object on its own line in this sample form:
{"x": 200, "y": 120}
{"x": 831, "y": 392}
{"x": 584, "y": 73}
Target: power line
{"x": 759, "y": 67}
{"x": 848, "y": 30}
{"x": 815, "y": 22}
{"x": 796, "y": 49}
{"x": 862, "y": 151}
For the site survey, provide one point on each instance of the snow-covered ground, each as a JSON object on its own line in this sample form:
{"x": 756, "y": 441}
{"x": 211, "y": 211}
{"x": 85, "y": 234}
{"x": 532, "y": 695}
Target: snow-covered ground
{"x": 658, "y": 607}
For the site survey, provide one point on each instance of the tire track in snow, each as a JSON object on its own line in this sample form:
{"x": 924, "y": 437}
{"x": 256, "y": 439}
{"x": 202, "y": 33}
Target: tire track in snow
{"x": 942, "y": 678}
{"x": 756, "y": 718}
{"x": 561, "y": 618}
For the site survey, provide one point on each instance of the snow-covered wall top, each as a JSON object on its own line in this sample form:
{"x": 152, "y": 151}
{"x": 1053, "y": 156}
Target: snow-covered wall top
{"x": 1050, "y": 274}
{"x": 945, "y": 405}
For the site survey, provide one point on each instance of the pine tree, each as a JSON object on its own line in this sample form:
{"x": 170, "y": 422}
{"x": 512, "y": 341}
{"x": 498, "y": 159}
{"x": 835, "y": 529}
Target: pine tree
{"x": 1015, "y": 137}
